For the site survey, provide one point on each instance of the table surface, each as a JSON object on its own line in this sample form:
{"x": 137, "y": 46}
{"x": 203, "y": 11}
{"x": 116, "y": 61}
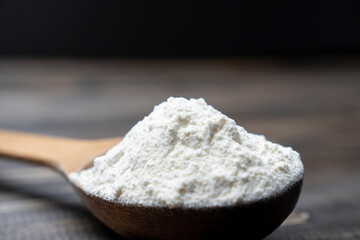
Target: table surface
{"x": 312, "y": 105}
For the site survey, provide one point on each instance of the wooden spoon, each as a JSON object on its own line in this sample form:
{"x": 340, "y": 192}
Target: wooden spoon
{"x": 244, "y": 221}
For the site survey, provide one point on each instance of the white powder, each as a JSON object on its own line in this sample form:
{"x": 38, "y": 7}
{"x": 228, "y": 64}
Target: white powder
{"x": 186, "y": 153}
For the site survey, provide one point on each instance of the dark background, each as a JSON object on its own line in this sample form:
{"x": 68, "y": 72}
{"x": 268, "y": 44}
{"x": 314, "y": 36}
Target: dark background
{"x": 136, "y": 27}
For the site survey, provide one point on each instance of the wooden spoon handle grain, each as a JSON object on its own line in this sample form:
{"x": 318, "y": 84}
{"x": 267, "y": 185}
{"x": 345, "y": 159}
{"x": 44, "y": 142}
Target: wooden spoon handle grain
{"x": 65, "y": 154}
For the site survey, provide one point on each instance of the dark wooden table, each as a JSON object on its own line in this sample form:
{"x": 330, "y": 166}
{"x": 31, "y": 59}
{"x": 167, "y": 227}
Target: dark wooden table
{"x": 312, "y": 105}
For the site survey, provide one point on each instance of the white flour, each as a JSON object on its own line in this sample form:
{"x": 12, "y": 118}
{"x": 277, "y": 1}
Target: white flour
{"x": 186, "y": 153}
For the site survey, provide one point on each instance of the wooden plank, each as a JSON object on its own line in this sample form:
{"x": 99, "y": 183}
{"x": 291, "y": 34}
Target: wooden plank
{"x": 311, "y": 105}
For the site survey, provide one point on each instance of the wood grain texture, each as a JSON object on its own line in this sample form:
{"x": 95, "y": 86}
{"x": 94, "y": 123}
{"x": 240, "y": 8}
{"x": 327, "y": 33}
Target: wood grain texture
{"x": 63, "y": 154}
{"x": 312, "y": 105}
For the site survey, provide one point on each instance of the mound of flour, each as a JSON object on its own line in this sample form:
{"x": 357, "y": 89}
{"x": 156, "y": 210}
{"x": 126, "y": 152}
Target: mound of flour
{"x": 187, "y": 154}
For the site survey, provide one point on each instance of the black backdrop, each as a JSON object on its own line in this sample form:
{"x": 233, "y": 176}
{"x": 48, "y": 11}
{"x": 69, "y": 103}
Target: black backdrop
{"x": 93, "y": 27}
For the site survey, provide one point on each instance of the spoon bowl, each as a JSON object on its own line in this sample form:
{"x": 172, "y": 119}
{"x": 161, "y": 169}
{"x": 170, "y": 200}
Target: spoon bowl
{"x": 253, "y": 220}
{"x": 245, "y": 221}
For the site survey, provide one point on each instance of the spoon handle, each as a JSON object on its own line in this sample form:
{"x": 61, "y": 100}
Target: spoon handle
{"x": 64, "y": 154}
